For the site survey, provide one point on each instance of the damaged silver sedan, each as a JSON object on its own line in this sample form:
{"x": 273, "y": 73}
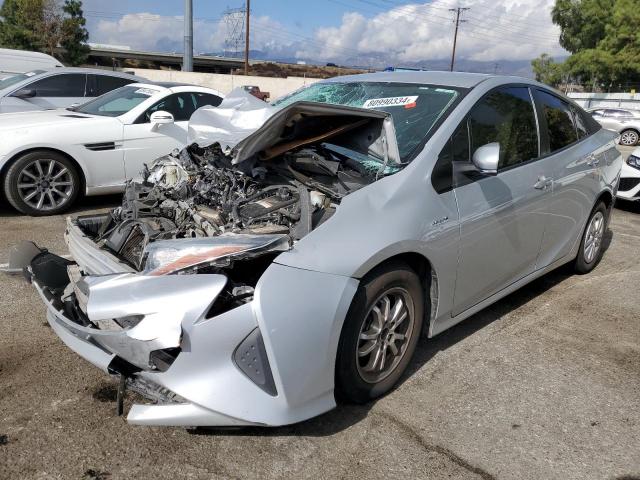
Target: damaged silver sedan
{"x": 294, "y": 253}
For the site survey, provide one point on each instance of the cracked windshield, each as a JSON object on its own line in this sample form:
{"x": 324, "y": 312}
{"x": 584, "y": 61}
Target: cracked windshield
{"x": 415, "y": 108}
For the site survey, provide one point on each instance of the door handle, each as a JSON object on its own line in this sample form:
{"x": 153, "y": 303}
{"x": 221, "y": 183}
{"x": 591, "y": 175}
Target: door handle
{"x": 543, "y": 182}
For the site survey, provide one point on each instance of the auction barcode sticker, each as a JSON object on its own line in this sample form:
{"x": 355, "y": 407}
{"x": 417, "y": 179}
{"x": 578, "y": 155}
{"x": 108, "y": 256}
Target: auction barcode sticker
{"x": 390, "y": 102}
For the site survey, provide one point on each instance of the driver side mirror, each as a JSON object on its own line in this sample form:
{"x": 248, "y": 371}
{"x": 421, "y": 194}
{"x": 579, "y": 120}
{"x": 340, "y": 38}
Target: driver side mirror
{"x": 161, "y": 117}
{"x": 25, "y": 93}
{"x": 487, "y": 157}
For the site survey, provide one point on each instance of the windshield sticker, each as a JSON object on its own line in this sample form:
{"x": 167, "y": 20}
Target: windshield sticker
{"x": 146, "y": 91}
{"x": 391, "y": 102}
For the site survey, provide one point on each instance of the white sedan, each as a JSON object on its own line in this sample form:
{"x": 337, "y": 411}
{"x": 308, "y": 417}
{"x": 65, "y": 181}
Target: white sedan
{"x": 629, "y": 188}
{"x": 47, "y": 158}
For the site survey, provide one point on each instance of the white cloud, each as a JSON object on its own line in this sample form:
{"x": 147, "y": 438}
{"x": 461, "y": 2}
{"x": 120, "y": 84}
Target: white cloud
{"x": 493, "y": 29}
{"x": 147, "y": 31}
{"x": 420, "y": 32}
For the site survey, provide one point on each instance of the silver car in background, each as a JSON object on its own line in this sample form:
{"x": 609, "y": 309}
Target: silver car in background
{"x": 58, "y": 88}
{"x": 294, "y": 254}
{"x": 626, "y": 122}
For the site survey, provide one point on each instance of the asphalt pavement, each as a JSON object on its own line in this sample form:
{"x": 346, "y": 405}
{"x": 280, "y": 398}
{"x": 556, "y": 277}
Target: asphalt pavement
{"x": 544, "y": 384}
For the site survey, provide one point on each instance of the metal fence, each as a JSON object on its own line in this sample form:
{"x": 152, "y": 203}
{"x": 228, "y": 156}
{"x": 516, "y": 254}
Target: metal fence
{"x": 611, "y": 100}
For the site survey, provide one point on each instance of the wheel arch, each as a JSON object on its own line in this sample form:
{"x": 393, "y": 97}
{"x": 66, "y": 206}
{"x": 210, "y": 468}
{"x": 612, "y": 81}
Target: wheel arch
{"x": 428, "y": 277}
{"x": 605, "y": 196}
{"x": 76, "y": 164}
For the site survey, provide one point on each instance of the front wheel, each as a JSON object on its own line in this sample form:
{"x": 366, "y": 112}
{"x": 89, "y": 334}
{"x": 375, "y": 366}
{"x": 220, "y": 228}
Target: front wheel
{"x": 41, "y": 183}
{"x": 590, "y": 251}
{"x": 380, "y": 333}
{"x": 629, "y": 138}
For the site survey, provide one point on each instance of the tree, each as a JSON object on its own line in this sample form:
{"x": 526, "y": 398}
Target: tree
{"x": 547, "y": 70}
{"x": 20, "y": 26}
{"x": 75, "y": 35}
{"x": 582, "y": 22}
{"x": 603, "y": 38}
{"x": 45, "y": 25}
{"x": 49, "y": 28}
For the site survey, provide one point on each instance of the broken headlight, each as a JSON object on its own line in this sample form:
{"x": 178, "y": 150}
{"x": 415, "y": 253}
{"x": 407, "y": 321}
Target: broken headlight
{"x": 165, "y": 257}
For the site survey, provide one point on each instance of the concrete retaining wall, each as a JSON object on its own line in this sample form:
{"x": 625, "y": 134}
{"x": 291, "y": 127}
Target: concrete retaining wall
{"x": 611, "y": 100}
{"x": 225, "y": 83}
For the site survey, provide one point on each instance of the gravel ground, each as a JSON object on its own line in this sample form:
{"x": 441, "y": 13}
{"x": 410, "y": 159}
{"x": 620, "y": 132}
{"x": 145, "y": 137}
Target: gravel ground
{"x": 544, "y": 384}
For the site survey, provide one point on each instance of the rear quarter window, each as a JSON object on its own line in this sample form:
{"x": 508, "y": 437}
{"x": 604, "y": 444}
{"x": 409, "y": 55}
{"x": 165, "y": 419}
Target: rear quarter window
{"x": 559, "y": 119}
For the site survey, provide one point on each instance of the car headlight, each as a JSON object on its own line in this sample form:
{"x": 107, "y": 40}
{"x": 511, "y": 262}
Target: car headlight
{"x": 633, "y": 161}
{"x": 186, "y": 254}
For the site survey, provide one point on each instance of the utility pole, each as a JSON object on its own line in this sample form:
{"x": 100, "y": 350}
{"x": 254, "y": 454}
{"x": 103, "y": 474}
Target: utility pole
{"x": 246, "y": 38}
{"x": 457, "y": 11}
{"x": 187, "y": 60}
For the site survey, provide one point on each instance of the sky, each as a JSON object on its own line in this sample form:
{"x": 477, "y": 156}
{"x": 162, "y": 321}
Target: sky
{"x": 360, "y": 32}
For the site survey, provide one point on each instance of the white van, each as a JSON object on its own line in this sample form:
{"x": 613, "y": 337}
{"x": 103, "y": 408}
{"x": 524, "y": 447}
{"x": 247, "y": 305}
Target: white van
{"x": 20, "y": 61}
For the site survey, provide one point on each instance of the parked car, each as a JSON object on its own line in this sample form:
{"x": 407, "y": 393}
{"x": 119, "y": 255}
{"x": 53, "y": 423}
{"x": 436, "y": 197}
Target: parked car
{"x": 263, "y": 272}
{"x": 629, "y": 188}
{"x": 49, "y": 157}
{"x": 21, "y": 61}
{"x": 62, "y": 87}
{"x": 256, "y": 92}
{"x": 624, "y": 121}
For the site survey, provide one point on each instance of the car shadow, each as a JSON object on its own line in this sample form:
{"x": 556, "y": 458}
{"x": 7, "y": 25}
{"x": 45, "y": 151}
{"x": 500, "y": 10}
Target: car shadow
{"x": 347, "y": 415}
{"x": 82, "y": 205}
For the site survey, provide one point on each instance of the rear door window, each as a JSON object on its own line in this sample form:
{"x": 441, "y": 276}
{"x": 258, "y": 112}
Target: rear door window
{"x": 559, "y": 119}
{"x": 106, "y": 83}
{"x": 619, "y": 113}
{"x": 506, "y": 116}
{"x": 204, "y": 99}
{"x": 63, "y": 85}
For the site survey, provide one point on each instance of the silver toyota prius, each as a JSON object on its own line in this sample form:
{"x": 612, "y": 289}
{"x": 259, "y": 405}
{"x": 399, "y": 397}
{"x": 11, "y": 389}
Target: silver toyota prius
{"x": 295, "y": 253}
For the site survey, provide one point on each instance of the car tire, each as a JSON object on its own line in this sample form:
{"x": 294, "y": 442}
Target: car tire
{"x": 392, "y": 288}
{"x": 590, "y": 251}
{"x": 629, "y": 138}
{"x": 41, "y": 183}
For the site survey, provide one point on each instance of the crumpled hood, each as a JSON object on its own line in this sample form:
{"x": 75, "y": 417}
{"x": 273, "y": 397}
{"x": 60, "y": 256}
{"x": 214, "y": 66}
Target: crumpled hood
{"x": 244, "y": 125}
{"x": 239, "y": 114}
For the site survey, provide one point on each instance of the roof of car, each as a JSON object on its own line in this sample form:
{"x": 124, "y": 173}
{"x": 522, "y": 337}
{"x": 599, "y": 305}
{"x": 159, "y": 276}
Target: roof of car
{"x": 88, "y": 70}
{"x": 453, "y": 79}
{"x": 173, "y": 84}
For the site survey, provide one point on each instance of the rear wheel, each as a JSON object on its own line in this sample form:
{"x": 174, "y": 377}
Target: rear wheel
{"x": 380, "y": 333}
{"x": 590, "y": 251}
{"x": 629, "y": 138}
{"x": 41, "y": 183}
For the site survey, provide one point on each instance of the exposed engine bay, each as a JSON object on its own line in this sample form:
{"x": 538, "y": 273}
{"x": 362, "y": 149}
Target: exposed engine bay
{"x": 198, "y": 212}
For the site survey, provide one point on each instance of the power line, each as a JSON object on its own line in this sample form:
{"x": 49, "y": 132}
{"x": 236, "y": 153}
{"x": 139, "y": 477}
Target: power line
{"x": 458, "y": 11}
{"x": 429, "y": 18}
{"x": 234, "y": 21}
{"x": 246, "y": 40}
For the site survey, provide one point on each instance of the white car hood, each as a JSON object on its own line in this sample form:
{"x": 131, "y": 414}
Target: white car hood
{"x": 54, "y": 126}
{"x": 62, "y": 118}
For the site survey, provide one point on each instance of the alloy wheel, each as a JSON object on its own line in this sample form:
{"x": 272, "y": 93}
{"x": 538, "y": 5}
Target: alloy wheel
{"x": 45, "y": 184}
{"x": 593, "y": 237}
{"x": 384, "y": 335}
{"x": 629, "y": 138}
